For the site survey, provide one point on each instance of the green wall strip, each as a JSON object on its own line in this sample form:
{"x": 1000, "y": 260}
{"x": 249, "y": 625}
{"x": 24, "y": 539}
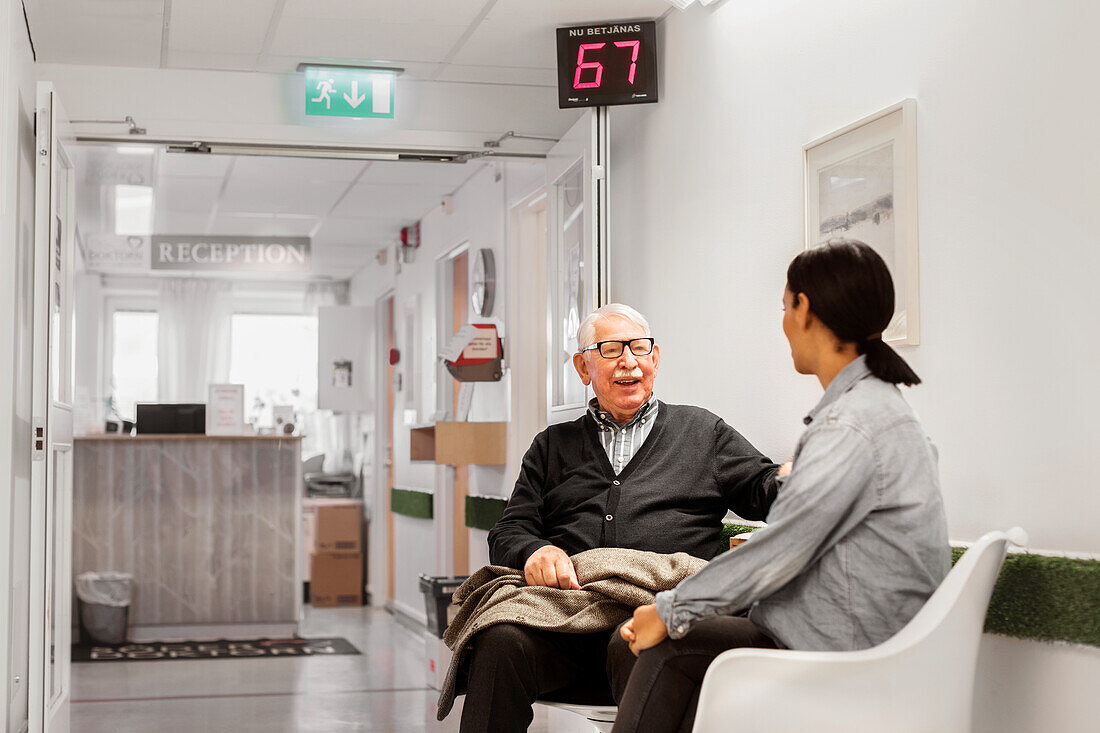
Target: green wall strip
{"x": 482, "y": 512}
{"x": 1037, "y": 597}
{"x": 411, "y": 503}
{"x": 1045, "y": 599}
{"x": 729, "y": 530}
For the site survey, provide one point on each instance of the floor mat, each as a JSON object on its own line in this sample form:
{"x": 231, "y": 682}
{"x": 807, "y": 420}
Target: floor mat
{"x": 221, "y": 649}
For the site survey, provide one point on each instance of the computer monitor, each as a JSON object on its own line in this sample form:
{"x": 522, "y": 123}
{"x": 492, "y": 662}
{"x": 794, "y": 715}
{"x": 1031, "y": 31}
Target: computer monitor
{"x": 170, "y": 418}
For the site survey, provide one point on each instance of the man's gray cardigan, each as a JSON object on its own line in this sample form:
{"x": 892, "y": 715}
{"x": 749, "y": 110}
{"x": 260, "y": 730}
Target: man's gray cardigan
{"x": 671, "y": 497}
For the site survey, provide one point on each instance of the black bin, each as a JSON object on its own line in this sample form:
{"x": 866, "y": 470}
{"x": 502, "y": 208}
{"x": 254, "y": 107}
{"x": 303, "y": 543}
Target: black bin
{"x": 437, "y": 592}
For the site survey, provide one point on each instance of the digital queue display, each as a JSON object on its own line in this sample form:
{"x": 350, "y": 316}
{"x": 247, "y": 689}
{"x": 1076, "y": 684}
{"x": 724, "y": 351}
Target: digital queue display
{"x": 613, "y": 63}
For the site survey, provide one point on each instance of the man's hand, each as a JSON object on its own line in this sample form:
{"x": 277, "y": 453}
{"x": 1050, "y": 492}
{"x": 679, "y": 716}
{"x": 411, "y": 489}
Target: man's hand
{"x": 785, "y": 469}
{"x": 644, "y": 630}
{"x": 550, "y": 566}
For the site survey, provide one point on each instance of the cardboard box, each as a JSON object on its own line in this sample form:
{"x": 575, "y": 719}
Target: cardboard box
{"x": 336, "y": 579}
{"x": 339, "y": 529}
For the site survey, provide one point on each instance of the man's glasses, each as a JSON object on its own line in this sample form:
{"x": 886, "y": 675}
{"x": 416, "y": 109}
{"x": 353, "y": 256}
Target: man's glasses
{"x": 614, "y": 349}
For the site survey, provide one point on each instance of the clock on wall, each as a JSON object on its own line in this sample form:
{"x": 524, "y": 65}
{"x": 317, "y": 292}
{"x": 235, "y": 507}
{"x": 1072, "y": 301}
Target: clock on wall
{"x": 484, "y": 284}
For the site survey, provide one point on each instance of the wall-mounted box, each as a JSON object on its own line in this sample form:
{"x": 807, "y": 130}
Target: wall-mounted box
{"x": 459, "y": 443}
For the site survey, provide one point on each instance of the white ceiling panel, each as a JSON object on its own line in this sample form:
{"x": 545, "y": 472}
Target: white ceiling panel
{"x": 343, "y": 256}
{"x": 373, "y": 200}
{"x": 295, "y": 170}
{"x": 521, "y": 33}
{"x": 504, "y": 44}
{"x": 576, "y": 12}
{"x": 281, "y": 196}
{"x": 217, "y": 26}
{"x": 230, "y": 224}
{"x": 438, "y": 176}
{"x": 212, "y": 61}
{"x": 78, "y": 38}
{"x": 350, "y": 233}
{"x": 192, "y": 164}
{"x": 446, "y": 12}
{"x": 364, "y": 40}
{"x": 499, "y": 75}
{"x": 185, "y": 193}
{"x": 180, "y": 222}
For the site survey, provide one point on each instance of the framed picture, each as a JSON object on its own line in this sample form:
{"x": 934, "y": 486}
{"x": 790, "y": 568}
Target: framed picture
{"x": 861, "y": 183}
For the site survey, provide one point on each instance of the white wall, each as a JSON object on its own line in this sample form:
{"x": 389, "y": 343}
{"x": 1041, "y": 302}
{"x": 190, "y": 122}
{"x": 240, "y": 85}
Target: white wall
{"x": 707, "y": 213}
{"x": 17, "y": 145}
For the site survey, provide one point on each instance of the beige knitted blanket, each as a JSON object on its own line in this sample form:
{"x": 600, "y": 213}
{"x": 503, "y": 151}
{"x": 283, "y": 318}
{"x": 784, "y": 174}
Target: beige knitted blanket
{"x": 613, "y": 582}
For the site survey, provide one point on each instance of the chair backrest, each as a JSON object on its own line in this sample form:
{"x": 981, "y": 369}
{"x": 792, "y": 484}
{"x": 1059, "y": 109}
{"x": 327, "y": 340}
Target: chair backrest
{"x": 943, "y": 638}
{"x": 958, "y": 606}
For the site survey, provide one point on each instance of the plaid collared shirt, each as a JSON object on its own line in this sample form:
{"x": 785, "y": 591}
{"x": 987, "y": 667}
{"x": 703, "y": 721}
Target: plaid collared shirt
{"x": 622, "y": 441}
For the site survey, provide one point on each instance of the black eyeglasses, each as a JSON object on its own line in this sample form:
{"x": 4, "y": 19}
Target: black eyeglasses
{"x": 614, "y": 349}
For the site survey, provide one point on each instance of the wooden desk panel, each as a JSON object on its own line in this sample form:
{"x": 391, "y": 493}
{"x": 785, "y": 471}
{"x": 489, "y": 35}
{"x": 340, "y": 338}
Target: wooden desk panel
{"x": 208, "y": 525}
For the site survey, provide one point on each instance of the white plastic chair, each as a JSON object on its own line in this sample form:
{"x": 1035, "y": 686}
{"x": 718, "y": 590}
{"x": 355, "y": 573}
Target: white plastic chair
{"x": 919, "y": 681}
{"x": 601, "y": 717}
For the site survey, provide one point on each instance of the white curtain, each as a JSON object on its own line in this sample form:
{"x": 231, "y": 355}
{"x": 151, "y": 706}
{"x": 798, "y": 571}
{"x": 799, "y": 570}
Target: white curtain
{"x": 193, "y": 339}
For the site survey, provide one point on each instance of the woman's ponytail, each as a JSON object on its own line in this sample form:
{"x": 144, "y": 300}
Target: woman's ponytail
{"x": 887, "y": 364}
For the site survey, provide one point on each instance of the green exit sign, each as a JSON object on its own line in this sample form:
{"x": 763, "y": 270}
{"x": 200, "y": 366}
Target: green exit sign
{"x": 349, "y": 92}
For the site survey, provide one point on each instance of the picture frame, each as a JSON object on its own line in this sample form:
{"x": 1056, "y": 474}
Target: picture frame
{"x": 860, "y": 182}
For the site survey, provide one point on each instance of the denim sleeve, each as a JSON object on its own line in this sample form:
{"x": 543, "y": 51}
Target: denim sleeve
{"x": 829, "y": 491}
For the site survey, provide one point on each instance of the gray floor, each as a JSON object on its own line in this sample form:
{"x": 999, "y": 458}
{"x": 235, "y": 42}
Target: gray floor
{"x": 384, "y": 689}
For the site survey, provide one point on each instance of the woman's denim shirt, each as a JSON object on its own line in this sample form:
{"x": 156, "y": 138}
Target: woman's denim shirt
{"x": 856, "y": 541}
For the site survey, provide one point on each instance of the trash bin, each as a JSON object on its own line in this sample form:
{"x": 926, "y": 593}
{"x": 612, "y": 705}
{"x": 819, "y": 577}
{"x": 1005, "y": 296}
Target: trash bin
{"x": 104, "y": 606}
{"x": 437, "y": 598}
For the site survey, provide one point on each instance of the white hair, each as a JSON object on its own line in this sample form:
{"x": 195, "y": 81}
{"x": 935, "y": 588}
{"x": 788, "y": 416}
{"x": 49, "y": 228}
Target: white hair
{"x": 586, "y": 332}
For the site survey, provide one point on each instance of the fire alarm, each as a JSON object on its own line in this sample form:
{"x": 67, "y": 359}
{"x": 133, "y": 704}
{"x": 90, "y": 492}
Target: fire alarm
{"x": 410, "y": 236}
{"x": 395, "y": 356}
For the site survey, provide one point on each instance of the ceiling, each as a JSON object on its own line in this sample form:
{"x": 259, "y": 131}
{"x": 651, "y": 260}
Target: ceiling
{"x": 350, "y": 208}
{"x": 474, "y": 41}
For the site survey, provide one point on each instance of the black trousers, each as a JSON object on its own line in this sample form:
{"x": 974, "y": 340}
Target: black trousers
{"x": 663, "y": 691}
{"x": 511, "y": 666}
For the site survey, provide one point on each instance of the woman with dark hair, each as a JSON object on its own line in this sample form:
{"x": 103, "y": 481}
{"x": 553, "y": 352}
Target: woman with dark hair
{"x": 856, "y": 541}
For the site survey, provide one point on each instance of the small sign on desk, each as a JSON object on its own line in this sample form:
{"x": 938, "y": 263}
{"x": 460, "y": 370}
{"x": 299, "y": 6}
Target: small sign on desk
{"x": 225, "y": 410}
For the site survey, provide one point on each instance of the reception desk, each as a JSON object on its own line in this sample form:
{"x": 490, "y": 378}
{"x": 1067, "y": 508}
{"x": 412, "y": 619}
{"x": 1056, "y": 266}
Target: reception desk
{"x": 208, "y": 525}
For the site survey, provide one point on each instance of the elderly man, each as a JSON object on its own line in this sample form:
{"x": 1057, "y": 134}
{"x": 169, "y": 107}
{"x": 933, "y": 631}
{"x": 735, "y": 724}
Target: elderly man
{"x": 632, "y": 472}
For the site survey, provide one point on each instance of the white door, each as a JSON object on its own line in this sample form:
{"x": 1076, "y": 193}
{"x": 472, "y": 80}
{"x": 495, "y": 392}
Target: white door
{"x": 52, "y": 422}
{"x": 577, "y": 252}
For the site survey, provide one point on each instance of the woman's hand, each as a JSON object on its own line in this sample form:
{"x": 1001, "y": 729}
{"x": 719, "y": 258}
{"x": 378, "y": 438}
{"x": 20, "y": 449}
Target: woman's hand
{"x": 644, "y": 630}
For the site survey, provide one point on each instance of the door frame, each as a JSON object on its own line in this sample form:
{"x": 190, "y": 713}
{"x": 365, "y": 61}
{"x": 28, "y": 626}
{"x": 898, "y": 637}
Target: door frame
{"x": 52, "y": 422}
{"x": 527, "y": 307}
{"x": 585, "y": 145}
{"x": 452, "y": 536}
{"x": 381, "y": 573}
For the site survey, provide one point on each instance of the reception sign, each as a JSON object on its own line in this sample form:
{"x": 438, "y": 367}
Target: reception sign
{"x": 230, "y": 254}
